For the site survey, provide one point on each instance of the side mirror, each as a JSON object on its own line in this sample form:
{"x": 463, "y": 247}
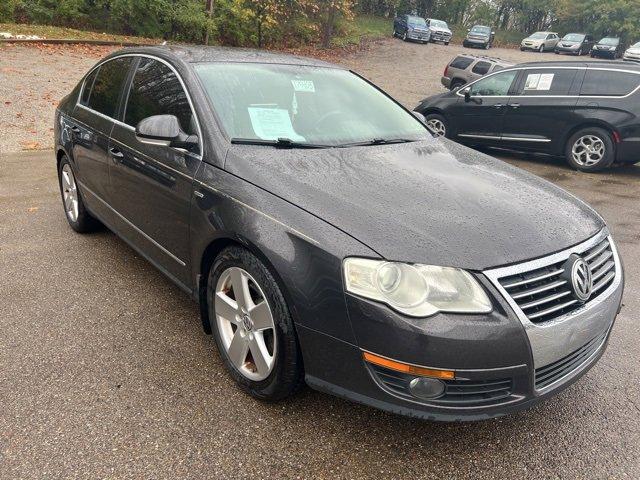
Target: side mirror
{"x": 164, "y": 130}
{"x": 466, "y": 91}
{"x": 468, "y": 30}
{"x": 420, "y": 117}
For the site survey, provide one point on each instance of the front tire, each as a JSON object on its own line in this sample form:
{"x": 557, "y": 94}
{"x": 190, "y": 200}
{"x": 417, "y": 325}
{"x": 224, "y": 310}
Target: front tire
{"x": 438, "y": 124}
{"x": 75, "y": 211}
{"x": 252, "y": 326}
{"x": 541, "y": 49}
{"x": 590, "y": 150}
{"x": 404, "y": 37}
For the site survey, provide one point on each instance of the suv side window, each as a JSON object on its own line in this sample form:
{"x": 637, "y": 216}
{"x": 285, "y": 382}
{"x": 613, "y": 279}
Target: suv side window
{"x": 107, "y": 86}
{"x": 495, "y": 85}
{"x": 156, "y": 90}
{"x": 544, "y": 82}
{"x": 610, "y": 83}
{"x": 461, "y": 62}
{"x": 481, "y": 67}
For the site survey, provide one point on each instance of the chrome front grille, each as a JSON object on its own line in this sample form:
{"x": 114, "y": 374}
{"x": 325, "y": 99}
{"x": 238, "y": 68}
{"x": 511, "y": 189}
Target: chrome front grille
{"x": 545, "y": 293}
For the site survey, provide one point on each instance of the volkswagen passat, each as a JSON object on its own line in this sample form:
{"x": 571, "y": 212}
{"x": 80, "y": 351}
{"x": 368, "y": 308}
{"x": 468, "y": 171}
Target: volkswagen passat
{"x": 330, "y": 239}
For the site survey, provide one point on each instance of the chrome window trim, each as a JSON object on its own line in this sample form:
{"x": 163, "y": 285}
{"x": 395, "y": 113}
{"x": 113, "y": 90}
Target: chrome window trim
{"x": 494, "y": 137}
{"x": 132, "y": 225}
{"x": 554, "y": 96}
{"x": 121, "y": 123}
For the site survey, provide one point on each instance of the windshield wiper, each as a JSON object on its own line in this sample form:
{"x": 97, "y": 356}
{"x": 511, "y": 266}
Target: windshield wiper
{"x": 378, "y": 141}
{"x": 279, "y": 143}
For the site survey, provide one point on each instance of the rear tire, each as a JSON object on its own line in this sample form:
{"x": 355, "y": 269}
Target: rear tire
{"x": 260, "y": 322}
{"x": 455, "y": 84}
{"x": 590, "y": 149}
{"x": 75, "y": 211}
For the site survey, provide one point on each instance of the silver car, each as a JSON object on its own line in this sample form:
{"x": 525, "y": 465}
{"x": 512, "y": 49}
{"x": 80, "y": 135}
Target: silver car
{"x": 540, "y": 41}
{"x": 632, "y": 53}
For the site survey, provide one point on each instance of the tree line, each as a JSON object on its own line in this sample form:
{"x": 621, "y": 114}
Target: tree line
{"x": 296, "y": 22}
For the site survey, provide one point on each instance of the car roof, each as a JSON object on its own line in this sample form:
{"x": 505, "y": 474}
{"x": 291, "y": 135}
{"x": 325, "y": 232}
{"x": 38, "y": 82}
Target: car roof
{"x": 483, "y": 57}
{"x": 204, "y": 54}
{"x": 544, "y": 31}
{"x": 589, "y": 64}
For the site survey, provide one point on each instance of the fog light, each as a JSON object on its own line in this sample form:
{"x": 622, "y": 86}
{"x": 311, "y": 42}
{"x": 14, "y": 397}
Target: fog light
{"x": 426, "y": 387}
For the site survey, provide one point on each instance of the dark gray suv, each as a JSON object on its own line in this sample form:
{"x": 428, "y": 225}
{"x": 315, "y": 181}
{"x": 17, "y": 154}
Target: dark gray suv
{"x": 330, "y": 239}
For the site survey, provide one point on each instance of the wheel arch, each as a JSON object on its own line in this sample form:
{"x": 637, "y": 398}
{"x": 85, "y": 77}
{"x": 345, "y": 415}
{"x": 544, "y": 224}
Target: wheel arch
{"x": 593, "y": 123}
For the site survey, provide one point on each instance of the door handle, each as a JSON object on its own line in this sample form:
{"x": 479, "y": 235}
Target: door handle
{"x": 75, "y": 129}
{"x": 515, "y": 105}
{"x": 498, "y": 105}
{"x": 116, "y": 154}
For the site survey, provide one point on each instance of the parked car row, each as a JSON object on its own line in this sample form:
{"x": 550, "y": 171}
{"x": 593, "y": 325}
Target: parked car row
{"x": 580, "y": 44}
{"x": 329, "y": 239}
{"x": 412, "y": 27}
{"x": 585, "y": 111}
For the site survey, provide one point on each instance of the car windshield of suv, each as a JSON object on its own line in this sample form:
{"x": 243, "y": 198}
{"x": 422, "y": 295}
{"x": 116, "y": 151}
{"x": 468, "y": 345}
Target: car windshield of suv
{"x": 439, "y": 24}
{"x": 417, "y": 22}
{"x": 481, "y": 30}
{"x": 538, "y": 36}
{"x": 609, "y": 41}
{"x": 319, "y": 106}
{"x": 573, "y": 37}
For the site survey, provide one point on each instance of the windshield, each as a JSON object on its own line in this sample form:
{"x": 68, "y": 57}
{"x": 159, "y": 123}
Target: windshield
{"x": 439, "y": 24}
{"x": 478, "y": 29}
{"x": 307, "y": 105}
{"x": 609, "y": 41}
{"x": 538, "y": 36}
{"x": 635, "y": 45}
{"x": 573, "y": 37}
{"x": 417, "y": 22}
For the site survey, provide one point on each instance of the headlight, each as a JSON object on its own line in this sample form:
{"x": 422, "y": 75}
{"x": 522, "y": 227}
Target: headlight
{"x": 415, "y": 290}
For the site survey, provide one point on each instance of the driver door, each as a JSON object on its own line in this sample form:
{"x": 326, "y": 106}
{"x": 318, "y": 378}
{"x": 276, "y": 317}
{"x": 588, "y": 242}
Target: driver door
{"x": 479, "y": 113}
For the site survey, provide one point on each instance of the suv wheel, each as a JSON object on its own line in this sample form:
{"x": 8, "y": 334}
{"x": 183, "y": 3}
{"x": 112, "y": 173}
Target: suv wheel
{"x": 404, "y": 36}
{"x": 77, "y": 215}
{"x": 437, "y": 123}
{"x": 252, "y": 326}
{"x": 456, "y": 83}
{"x": 487, "y": 46}
{"x": 590, "y": 149}
{"x": 580, "y": 52}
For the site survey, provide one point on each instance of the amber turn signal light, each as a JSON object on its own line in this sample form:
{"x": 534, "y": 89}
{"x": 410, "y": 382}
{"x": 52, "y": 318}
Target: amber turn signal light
{"x": 408, "y": 368}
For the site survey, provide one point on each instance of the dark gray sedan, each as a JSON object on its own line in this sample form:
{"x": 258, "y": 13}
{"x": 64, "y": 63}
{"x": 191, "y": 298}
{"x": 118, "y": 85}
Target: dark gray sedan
{"x": 330, "y": 239}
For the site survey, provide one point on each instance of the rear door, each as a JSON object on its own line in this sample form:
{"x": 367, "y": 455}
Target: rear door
{"x": 152, "y": 184}
{"x": 480, "y": 119}
{"x": 93, "y": 120}
{"x": 542, "y": 108}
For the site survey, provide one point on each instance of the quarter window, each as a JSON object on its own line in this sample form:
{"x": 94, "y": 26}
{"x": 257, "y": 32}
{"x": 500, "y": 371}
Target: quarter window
{"x": 481, "y": 68}
{"x": 545, "y": 82}
{"x": 495, "y": 85}
{"x": 156, "y": 90}
{"x": 107, "y": 86}
{"x": 461, "y": 62}
{"x": 609, "y": 83}
{"x": 88, "y": 85}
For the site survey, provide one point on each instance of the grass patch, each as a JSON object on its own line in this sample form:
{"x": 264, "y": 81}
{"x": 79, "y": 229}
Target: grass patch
{"x": 363, "y": 28}
{"x": 48, "y": 32}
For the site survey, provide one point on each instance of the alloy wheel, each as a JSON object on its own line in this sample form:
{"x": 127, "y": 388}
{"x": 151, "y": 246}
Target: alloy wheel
{"x": 245, "y": 323}
{"x": 437, "y": 126}
{"x": 69, "y": 193}
{"x": 588, "y": 150}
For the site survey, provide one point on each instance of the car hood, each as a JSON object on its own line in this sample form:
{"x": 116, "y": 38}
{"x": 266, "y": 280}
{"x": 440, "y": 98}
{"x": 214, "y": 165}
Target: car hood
{"x": 433, "y": 201}
{"x": 634, "y": 51}
{"x": 569, "y": 44}
{"x": 439, "y": 29}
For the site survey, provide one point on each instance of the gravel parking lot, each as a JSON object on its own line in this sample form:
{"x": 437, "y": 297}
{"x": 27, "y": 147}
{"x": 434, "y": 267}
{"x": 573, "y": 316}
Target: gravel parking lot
{"x": 105, "y": 371}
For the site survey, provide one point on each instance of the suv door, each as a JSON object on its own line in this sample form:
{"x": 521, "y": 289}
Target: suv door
{"x": 479, "y": 118}
{"x": 542, "y": 108}
{"x": 93, "y": 119}
{"x": 152, "y": 184}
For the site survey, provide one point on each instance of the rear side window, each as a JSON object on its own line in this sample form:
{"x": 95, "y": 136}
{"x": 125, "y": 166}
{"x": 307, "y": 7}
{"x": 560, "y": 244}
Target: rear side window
{"x": 108, "y": 85}
{"x": 547, "y": 82}
{"x": 481, "y": 68}
{"x": 88, "y": 85}
{"x": 156, "y": 90}
{"x": 461, "y": 63}
{"x": 609, "y": 83}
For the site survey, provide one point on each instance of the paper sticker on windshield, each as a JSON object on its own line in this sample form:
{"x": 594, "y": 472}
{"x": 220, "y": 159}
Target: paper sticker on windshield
{"x": 306, "y": 86}
{"x": 539, "y": 81}
{"x": 272, "y": 124}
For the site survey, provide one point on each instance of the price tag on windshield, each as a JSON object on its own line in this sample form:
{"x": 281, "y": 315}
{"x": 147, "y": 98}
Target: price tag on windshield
{"x": 305, "y": 86}
{"x": 273, "y": 123}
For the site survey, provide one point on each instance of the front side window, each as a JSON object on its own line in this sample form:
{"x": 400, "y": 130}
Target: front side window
{"x": 306, "y": 104}
{"x": 107, "y": 86}
{"x": 547, "y": 82}
{"x": 481, "y": 68}
{"x": 495, "y": 85}
{"x": 156, "y": 90}
{"x": 609, "y": 83}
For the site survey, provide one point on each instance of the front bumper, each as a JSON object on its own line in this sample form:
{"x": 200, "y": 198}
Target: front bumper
{"x": 603, "y": 53}
{"x": 530, "y": 46}
{"x": 419, "y": 36}
{"x": 501, "y": 364}
{"x": 477, "y": 41}
{"x": 631, "y": 57}
{"x": 440, "y": 37}
{"x": 573, "y": 50}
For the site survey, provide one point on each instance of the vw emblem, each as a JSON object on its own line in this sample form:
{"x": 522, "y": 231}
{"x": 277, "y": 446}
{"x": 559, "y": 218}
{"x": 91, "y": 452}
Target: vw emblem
{"x": 581, "y": 279}
{"x": 247, "y": 323}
